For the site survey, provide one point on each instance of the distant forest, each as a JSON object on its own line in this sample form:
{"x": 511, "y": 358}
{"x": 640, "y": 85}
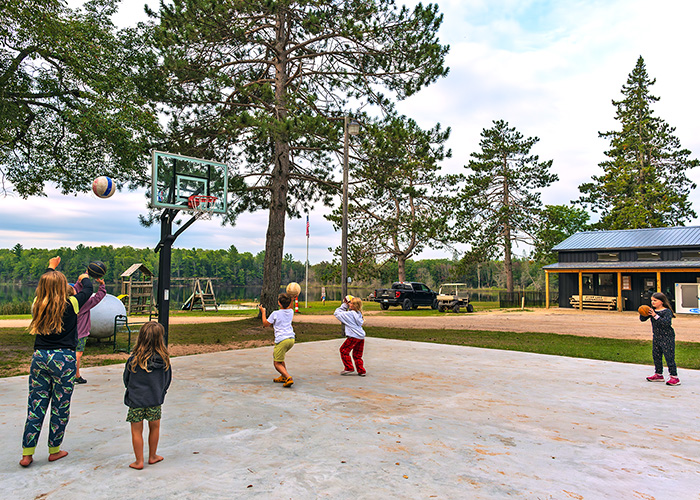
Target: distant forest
{"x": 20, "y": 265}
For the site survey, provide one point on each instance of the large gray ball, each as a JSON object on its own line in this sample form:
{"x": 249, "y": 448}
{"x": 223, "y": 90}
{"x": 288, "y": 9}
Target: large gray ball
{"x": 103, "y": 314}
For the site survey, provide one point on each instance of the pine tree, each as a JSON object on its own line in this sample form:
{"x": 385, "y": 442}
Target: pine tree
{"x": 644, "y": 182}
{"x": 257, "y": 83}
{"x": 400, "y": 200}
{"x": 500, "y": 200}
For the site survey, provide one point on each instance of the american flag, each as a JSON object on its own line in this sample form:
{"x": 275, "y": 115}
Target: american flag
{"x": 307, "y": 226}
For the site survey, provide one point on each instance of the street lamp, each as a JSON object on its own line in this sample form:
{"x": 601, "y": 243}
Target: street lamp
{"x": 351, "y": 127}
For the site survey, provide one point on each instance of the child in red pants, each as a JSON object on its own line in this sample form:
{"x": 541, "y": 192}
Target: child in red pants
{"x": 350, "y": 315}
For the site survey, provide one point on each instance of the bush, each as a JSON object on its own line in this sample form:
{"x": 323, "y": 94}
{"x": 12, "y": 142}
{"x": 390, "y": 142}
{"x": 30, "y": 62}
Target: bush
{"x": 16, "y": 307}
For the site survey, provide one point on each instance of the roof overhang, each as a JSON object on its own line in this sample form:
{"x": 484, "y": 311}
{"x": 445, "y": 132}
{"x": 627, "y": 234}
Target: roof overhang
{"x": 666, "y": 266}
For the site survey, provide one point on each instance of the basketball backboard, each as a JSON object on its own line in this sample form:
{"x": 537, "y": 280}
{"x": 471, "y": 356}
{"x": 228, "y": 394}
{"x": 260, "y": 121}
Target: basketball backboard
{"x": 175, "y": 178}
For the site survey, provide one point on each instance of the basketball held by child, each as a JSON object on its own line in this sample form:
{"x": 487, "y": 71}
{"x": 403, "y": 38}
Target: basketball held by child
{"x": 294, "y": 289}
{"x": 645, "y": 310}
{"x": 96, "y": 269}
{"x": 103, "y": 187}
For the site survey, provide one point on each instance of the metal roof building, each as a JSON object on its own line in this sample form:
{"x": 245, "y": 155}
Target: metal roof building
{"x": 620, "y": 269}
{"x": 662, "y": 237}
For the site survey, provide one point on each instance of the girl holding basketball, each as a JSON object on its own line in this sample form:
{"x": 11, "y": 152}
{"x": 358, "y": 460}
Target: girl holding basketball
{"x": 664, "y": 339}
{"x": 147, "y": 376}
{"x": 52, "y": 372}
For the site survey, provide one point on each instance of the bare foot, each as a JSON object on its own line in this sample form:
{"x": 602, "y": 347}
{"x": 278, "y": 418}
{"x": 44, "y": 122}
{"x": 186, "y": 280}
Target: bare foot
{"x": 57, "y": 456}
{"x": 136, "y": 465}
{"x": 26, "y": 461}
{"x": 154, "y": 460}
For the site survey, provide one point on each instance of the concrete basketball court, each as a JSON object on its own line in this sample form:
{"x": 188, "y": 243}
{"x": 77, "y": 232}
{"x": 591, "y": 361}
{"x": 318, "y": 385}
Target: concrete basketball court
{"x": 429, "y": 421}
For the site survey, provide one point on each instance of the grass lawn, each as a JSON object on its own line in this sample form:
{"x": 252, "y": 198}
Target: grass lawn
{"x": 17, "y": 344}
{"x": 317, "y": 307}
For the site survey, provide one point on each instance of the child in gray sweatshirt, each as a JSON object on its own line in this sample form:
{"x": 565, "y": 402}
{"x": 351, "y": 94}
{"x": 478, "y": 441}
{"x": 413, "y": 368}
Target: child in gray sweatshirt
{"x": 350, "y": 315}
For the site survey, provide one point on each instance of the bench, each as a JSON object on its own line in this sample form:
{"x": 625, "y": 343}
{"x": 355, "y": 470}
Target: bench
{"x": 595, "y": 302}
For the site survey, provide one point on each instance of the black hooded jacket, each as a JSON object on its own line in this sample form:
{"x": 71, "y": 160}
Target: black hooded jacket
{"x": 145, "y": 389}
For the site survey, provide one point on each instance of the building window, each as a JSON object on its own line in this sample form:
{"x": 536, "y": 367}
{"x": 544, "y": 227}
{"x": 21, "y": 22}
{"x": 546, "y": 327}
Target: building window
{"x": 606, "y": 279}
{"x": 627, "y": 282}
{"x": 608, "y": 257}
{"x": 690, "y": 255}
{"x": 650, "y": 255}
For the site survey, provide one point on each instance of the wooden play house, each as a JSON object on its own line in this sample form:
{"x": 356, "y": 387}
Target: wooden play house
{"x": 137, "y": 290}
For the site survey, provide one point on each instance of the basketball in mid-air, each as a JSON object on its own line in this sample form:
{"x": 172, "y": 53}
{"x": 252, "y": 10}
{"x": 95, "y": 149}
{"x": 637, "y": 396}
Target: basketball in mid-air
{"x": 103, "y": 186}
{"x": 293, "y": 289}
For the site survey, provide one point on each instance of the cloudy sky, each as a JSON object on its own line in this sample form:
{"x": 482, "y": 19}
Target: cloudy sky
{"x": 550, "y": 68}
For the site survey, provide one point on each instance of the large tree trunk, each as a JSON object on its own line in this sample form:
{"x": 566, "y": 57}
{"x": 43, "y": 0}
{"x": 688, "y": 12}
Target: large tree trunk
{"x": 274, "y": 245}
{"x": 508, "y": 260}
{"x": 279, "y": 182}
{"x": 402, "y": 267}
{"x": 507, "y": 250}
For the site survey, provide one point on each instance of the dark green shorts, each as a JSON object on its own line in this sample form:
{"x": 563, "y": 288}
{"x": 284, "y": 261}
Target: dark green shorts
{"x": 81, "y": 344}
{"x": 140, "y": 414}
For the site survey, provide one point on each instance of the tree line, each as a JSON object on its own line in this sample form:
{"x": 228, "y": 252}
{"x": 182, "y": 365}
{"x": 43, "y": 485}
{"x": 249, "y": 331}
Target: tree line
{"x": 25, "y": 266}
{"x": 264, "y": 86}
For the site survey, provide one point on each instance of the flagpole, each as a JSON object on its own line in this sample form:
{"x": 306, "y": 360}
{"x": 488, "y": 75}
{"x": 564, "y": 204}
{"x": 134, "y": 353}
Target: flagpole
{"x": 306, "y": 293}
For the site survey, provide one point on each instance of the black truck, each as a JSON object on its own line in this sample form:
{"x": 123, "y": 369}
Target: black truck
{"x": 408, "y": 295}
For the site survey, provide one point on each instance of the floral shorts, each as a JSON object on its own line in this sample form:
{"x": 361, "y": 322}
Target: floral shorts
{"x": 81, "y": 344}
{"x": 136, "y": 415}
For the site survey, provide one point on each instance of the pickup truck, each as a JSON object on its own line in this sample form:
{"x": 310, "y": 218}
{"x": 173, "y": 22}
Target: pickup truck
{"x": 408, "y": 295}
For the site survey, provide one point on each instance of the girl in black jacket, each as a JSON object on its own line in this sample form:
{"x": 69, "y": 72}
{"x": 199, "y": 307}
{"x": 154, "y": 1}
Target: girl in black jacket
{"x": 147, "y": 376}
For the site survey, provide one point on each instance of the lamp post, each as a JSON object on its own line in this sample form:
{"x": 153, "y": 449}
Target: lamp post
{"x": 350, "y": 127}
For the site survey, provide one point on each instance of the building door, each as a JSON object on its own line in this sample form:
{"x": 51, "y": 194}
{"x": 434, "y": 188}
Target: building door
{"x": 648, "y": 288}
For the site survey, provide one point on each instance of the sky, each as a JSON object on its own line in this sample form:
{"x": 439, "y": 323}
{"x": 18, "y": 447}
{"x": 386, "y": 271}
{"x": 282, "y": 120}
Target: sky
{"x": 549, "y": 68}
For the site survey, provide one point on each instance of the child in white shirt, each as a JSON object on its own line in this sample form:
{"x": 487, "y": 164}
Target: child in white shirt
{"x": 281, "y": 321}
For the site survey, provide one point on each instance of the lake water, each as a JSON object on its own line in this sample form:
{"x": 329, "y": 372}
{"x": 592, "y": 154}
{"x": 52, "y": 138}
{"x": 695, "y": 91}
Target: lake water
{"x": 180, "y": 293}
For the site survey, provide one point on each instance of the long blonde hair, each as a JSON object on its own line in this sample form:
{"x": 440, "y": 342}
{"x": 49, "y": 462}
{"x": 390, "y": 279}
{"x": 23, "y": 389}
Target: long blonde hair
{"x": 357, "y": 303}
{"x": 149, "y": 342}
{"x": 50, "y": 303}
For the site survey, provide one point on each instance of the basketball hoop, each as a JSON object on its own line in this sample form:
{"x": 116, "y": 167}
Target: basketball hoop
{"x": 202, "y": 206}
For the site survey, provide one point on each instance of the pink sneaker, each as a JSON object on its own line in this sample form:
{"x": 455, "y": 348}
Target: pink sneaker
{"x": 673, "y": 381}
{"x": 656, "y": 378}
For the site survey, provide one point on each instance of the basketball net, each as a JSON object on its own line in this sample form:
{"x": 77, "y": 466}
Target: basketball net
{"x": 202, "y": 206}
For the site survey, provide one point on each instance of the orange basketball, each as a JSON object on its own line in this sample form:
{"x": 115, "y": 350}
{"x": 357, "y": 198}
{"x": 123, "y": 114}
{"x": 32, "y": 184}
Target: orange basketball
{"x": 645, "y": 310}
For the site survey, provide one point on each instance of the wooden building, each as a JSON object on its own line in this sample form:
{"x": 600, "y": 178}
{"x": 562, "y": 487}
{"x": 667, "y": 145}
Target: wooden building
{"x": 137, "y": 290}
{"x": 621, "y": 269}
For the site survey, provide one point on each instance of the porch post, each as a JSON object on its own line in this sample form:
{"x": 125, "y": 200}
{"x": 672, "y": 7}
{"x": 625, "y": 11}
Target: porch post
{"x": 619, "y": 291}
{"x": 580, "y": 290}
{"x": 658, "y": 281}
{"x": 546, "y": 289}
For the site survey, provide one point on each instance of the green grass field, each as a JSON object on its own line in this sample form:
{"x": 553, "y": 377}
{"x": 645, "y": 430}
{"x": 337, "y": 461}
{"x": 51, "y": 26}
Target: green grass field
{"x": 17, "y": 344}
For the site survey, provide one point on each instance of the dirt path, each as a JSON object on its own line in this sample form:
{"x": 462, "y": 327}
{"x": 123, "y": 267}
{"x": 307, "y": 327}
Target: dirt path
{"x": 610, "y": 324}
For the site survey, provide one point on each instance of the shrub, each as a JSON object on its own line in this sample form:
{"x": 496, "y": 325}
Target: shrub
{"x": 16, "y": 307}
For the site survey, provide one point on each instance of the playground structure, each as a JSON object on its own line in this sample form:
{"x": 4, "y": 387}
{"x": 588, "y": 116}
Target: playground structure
{"x": 137, "y": 290}
{"x": 202, "y": 299}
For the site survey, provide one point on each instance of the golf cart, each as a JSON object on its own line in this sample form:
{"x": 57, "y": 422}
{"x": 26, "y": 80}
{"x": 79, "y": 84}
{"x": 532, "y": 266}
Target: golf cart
{"x": 454, "y": 296}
